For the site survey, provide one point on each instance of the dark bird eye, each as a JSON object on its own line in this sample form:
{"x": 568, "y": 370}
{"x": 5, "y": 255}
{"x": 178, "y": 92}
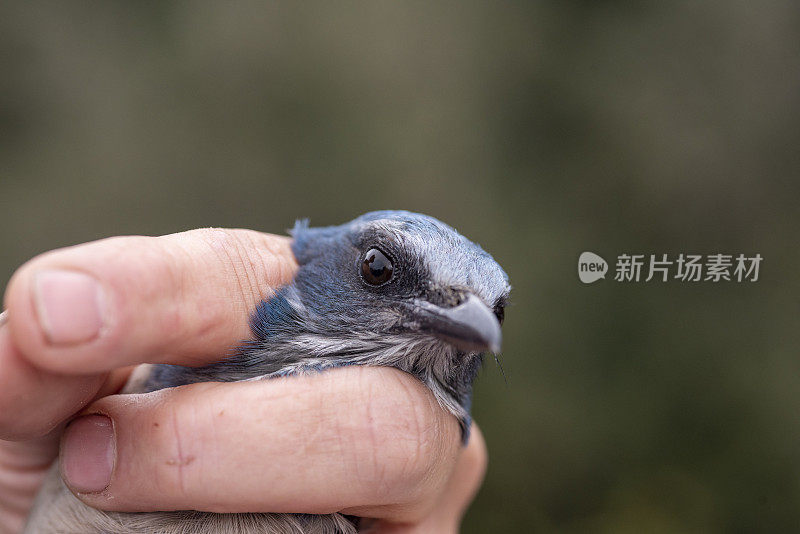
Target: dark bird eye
{"x": 376, "y": 269}
{"x": 500, "y": 313}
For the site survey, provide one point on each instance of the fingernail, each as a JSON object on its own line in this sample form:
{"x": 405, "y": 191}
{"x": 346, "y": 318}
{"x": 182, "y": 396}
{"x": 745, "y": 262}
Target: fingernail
{"x": 69, "y": 306}
{"x": 87, "y": 453}
{"x": 3, "y": 318}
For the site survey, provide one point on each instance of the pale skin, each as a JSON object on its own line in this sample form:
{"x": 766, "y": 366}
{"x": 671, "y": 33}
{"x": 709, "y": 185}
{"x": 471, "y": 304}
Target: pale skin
{"x": 365, "y": 441}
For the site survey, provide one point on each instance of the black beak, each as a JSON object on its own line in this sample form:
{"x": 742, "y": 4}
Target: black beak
{"x": 471, "y": 326}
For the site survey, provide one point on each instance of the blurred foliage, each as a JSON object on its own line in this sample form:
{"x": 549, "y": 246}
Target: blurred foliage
{"x": 540, "y": 130}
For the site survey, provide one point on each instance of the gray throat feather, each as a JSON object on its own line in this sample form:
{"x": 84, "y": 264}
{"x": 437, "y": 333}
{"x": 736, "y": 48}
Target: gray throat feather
{"x": 390, "y": 288}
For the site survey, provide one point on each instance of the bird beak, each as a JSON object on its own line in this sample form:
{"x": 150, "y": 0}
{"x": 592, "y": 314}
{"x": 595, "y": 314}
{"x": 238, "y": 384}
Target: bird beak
{"x": 471, "y": 326}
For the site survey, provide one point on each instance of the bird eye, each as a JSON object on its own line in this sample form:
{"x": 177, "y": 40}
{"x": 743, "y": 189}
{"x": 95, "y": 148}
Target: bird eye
{"x": 376, "y": 269}
{"x": 500, "y": 313}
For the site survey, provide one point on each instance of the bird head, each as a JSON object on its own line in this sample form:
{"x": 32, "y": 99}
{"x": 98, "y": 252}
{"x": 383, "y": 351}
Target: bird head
{"x": 401, "y": 289}
{"x": 395, "y": 273}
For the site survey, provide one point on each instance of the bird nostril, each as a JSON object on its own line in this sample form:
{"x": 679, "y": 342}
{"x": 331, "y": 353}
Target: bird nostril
{"x": 447, "y": 297}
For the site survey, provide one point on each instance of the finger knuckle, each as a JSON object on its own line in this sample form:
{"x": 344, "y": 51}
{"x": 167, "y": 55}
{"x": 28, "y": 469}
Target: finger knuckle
{"x": 240, "y": 259}
{"x": 409, "y": 439}
{"x": 172, "y": 451}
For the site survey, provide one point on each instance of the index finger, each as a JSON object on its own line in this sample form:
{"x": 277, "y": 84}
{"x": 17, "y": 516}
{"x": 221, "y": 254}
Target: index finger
{"x": 372, "y": 441}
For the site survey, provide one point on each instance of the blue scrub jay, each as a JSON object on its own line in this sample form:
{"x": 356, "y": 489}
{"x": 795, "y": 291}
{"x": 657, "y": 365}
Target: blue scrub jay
{"x": 390, "y": 288}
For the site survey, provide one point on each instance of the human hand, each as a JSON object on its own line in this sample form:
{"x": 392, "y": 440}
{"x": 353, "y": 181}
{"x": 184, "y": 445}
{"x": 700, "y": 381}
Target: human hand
{"x": 371, "y": 442}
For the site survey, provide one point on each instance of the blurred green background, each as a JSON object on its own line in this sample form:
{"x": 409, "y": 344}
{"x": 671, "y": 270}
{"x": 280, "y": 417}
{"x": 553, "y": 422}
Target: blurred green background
{"x": 538, "y": 129}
